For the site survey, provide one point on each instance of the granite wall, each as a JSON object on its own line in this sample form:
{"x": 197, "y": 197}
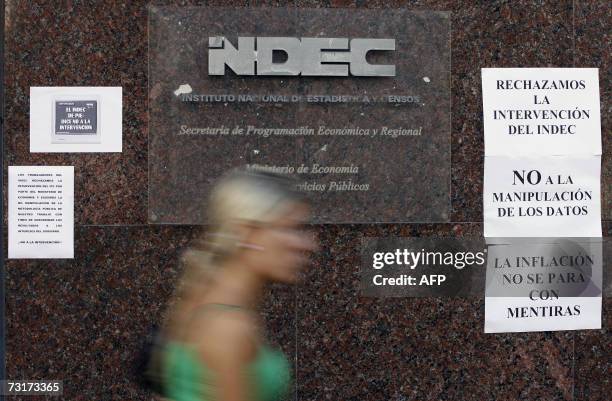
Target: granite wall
{"x": 81, "y": 320}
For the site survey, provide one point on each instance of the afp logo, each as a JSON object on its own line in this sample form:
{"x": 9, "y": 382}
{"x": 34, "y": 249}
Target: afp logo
{"x": 332, "y": 57}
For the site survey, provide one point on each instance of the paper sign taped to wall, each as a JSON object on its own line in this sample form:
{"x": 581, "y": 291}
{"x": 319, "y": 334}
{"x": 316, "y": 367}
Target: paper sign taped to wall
{"x": 557, "y": 196}
{"x": 41, "y": 212}
{"x": 547, "y": 284}
{"x": 541, "y": 111}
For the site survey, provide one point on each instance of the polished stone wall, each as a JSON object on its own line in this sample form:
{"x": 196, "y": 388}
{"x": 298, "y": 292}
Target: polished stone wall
{"x": 81, "y": 320}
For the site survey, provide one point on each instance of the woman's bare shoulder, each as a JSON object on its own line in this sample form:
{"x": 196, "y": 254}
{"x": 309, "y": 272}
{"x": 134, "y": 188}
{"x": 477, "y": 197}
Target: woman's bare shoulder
{"x": 225, "y": 332}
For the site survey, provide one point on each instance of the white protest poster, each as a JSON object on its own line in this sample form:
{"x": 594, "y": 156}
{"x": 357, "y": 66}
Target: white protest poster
{"x": 541, "y": 111}
{"x": 542, "y": 197}
{"x": 41, "y": 212}
{"x": 75, "y": 119}
{"x": 547, "y": 284}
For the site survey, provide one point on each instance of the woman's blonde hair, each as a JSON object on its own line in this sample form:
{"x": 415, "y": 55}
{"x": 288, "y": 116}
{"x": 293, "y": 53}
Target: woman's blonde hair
{"x": 240, "y": 196}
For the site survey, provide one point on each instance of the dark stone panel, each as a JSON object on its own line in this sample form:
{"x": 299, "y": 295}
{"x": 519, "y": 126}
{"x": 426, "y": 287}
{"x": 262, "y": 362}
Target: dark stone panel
{"x": 99, "y": 44}
{"x": 178, "y": 38}
{"x": 79, "y": 44}
{"x": 82, "y": 320}
{"x": 183, "y": 169}
{"x": 593, "y": 371}
{"x": 356, "y": 348}
{"x": 487, "y": 34}
{"x": 606, "y": 228}
{"x": 495, "y": 34}
{"x": 592, "y": 21}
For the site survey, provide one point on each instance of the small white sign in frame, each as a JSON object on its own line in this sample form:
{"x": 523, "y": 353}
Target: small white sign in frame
{"x": 75, "y": 119}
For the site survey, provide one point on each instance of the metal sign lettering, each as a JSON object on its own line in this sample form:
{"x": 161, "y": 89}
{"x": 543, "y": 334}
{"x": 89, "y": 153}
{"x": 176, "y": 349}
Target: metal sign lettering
{"x": 336, "y": 57}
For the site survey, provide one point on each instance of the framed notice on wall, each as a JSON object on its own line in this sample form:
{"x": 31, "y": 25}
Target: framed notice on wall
{"x": 75, "y": 119}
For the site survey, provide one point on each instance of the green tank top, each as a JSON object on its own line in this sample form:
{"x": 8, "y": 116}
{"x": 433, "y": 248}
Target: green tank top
{"x": 187, "y": 379}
